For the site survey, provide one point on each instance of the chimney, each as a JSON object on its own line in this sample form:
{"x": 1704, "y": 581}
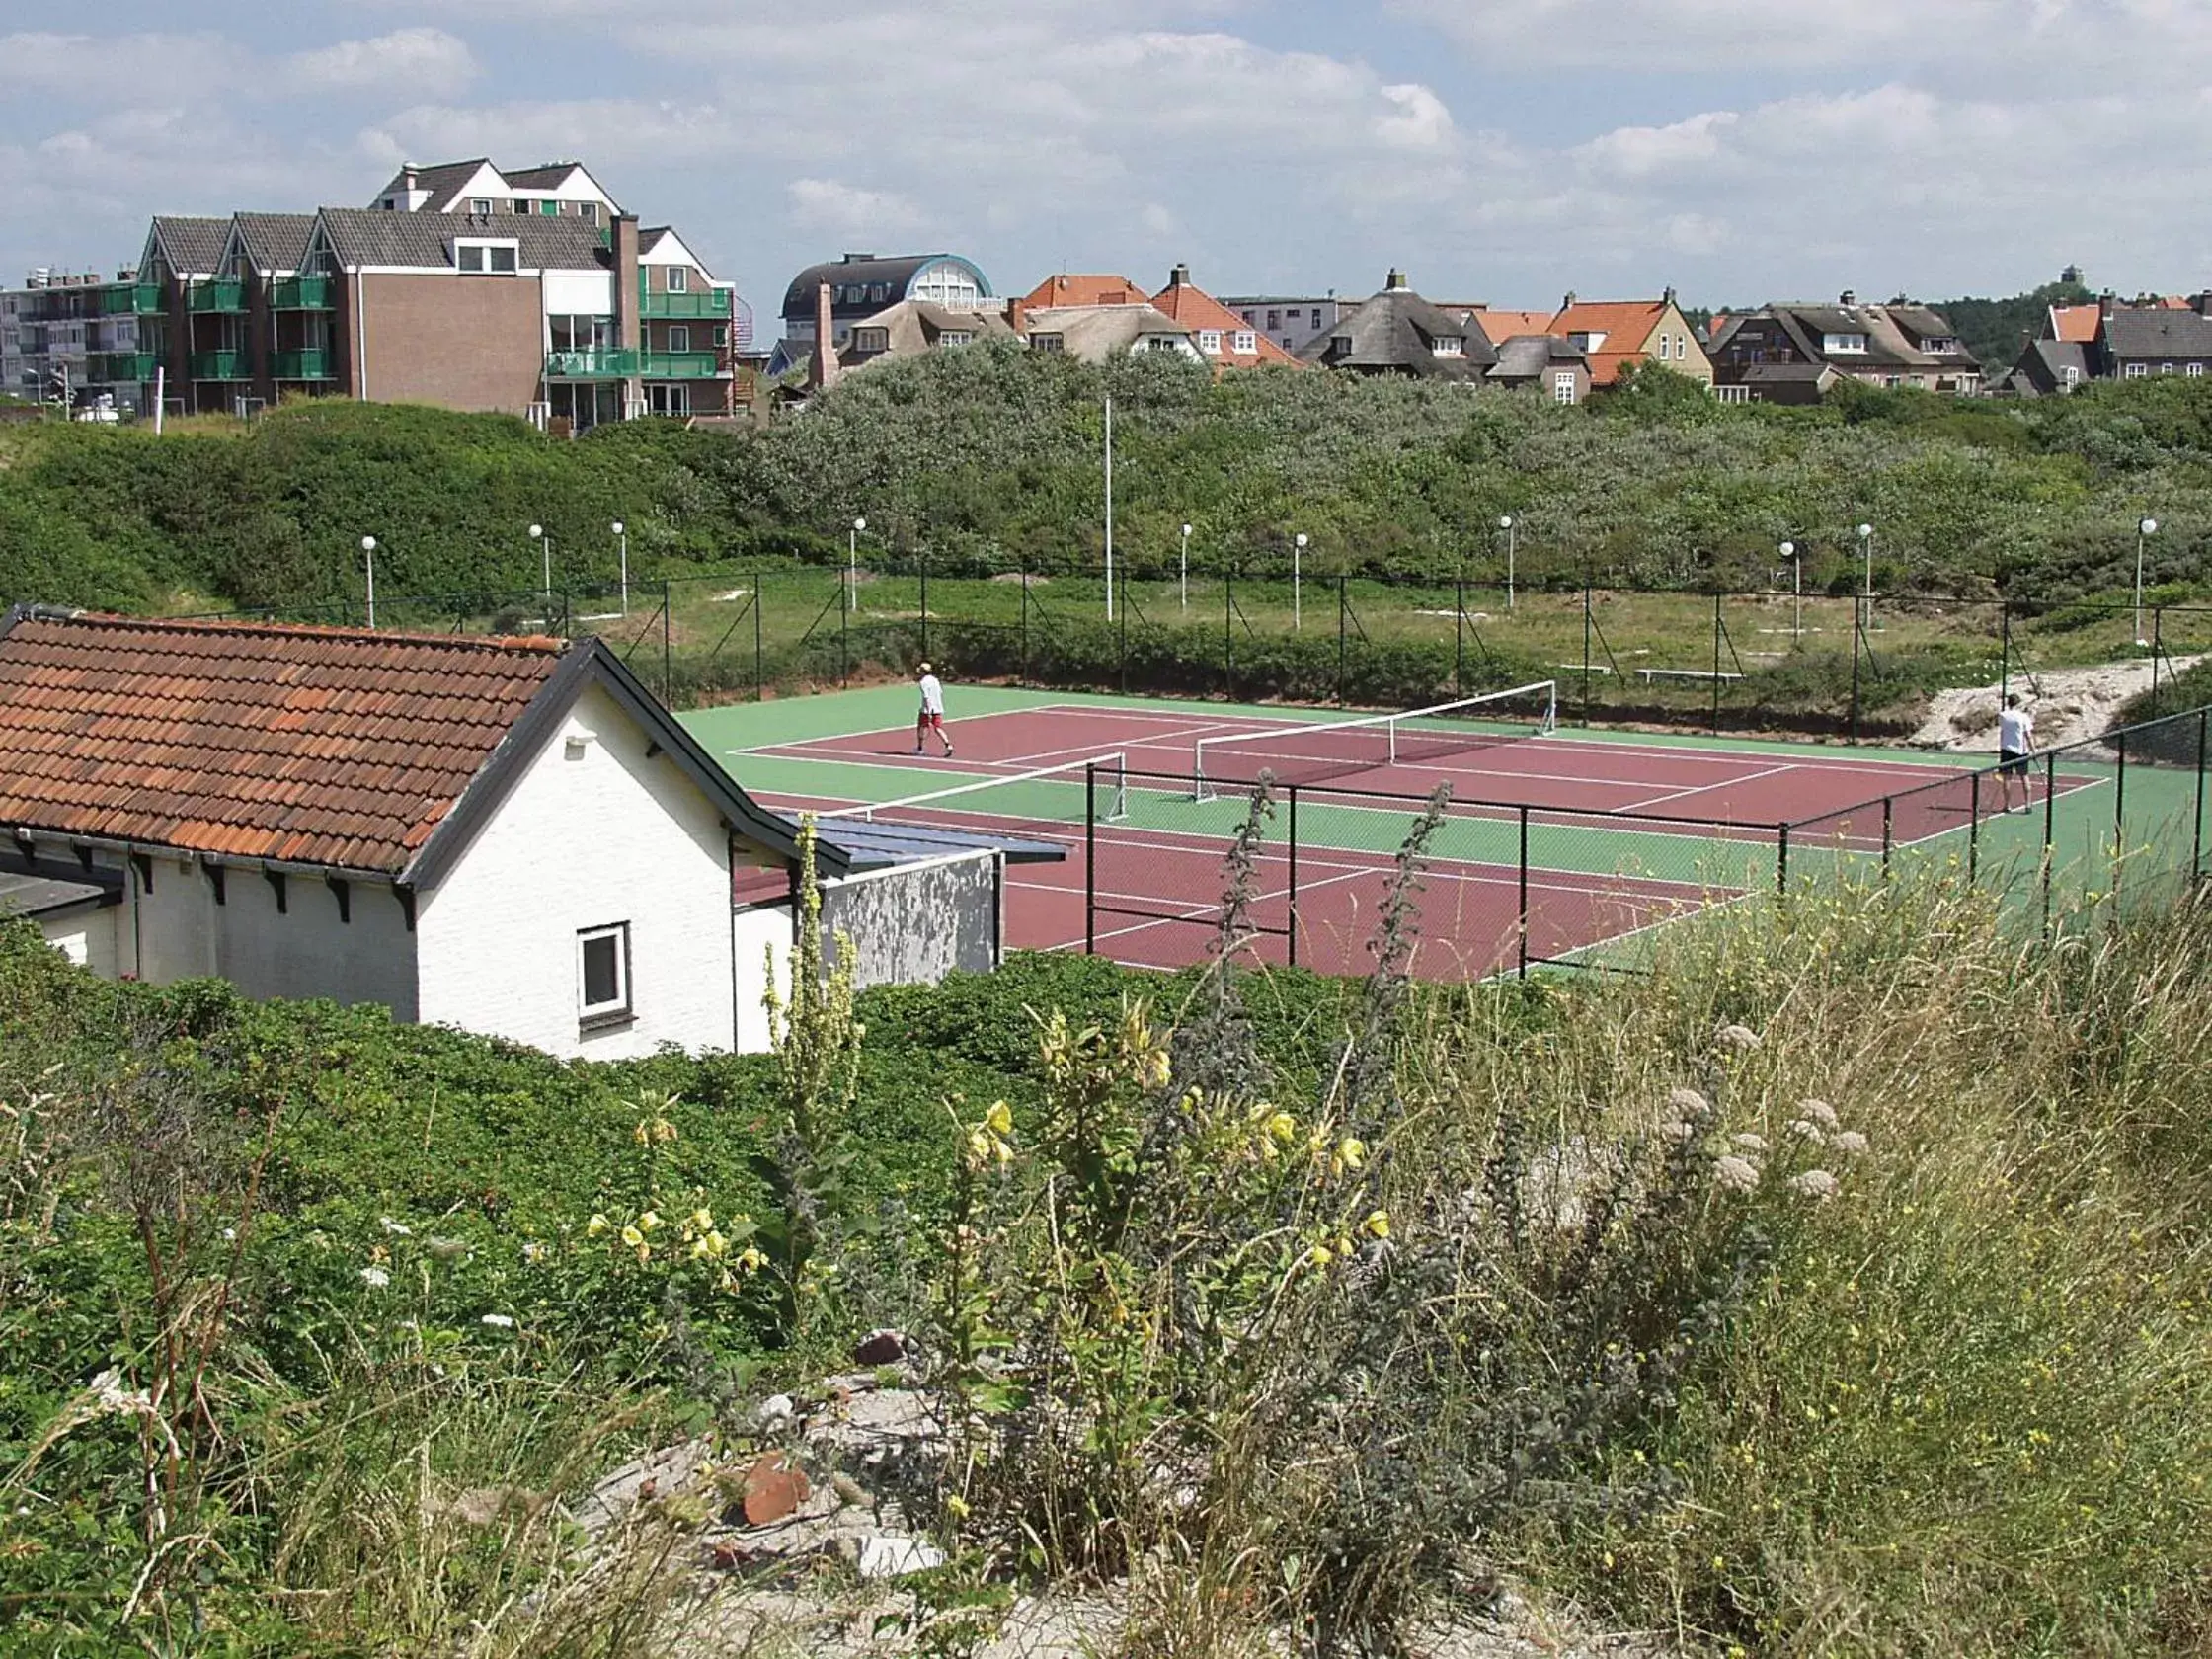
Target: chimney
{"x": 1668, "y": 297}
{"x": 408, "y": 177}
{"x": 1567, "y": 304}
{"x": 629, "y": 324}
{"x": 1179, "y": 276}
{"x": 1395, "y": 283}
{"x": 1848, "y": 297}
{"x": 2104, "y": 303}
{"x": 821, "y": 373}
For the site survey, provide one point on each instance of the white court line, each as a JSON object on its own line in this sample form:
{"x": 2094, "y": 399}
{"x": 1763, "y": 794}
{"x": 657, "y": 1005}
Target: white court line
{"x": 1724, "y": 784}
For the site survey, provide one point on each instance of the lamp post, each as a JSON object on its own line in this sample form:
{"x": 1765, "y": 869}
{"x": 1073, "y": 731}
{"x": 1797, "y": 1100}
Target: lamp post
{"x": 1109, "y": 510}
{"x": 1797, "y": 589}
{"x": 1185, "y": 579}
{"x": 546, "y": 546}
{"x": 853, "y": 562}
{"x": 622, "y": 535}
{"x": 1505, "y": 524}
{"x": 1297, "y": 562}
{"x": 369, "y": 552}
{"x": 2145, "y": 528}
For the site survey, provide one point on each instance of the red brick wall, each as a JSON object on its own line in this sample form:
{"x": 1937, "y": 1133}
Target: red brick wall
{"x": 460, "y": 342}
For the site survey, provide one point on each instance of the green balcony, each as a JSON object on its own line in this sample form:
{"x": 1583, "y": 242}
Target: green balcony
{"x": 607, "y": 362}
{"x": 684, "y": 307}
{"x": 130, "y": 299}
{"x": 217, "y": 366}
{"x": 680, "y": 365}
{"x": 224, "y": 295}
{"x": 123, "y": 368}
{"x": 309, "y": 364}
{"x": 300, "y": 293}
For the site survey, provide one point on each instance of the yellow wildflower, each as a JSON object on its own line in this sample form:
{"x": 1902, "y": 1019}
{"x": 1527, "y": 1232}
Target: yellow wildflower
{"x": 648, "y": 1222}
{"x": 999, "y": 1120}
{"x": 1282, "y": 1128}
{"x": 632, "y": 1237}
{"x": 703, "y": 1219}
{"x": 1378, "y": 1223}
{"x": 1351, "y": 1153}
{"x": 596, "y": 1225}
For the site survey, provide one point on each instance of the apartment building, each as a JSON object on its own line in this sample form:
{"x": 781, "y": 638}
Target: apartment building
{"x": 61, "y": 339}
{"x": 1292, "y": 321}
{"x": 532, "y": 293}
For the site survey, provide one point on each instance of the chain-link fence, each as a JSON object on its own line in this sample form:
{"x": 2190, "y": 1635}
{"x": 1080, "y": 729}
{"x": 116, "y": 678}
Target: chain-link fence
{"x": 2060, "y": 839}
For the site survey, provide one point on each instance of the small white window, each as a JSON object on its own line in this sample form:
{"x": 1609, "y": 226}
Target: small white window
{"x": 679, "y": 338}
{"x": 1209, "y": 341}
{"x": 485, "y": 258}
{"x": 2197, "y": 371}
{"x": 1247, "y": 343}
{"x": 602, "y": 975}
{"x": 680, "y": 280}
{"x": 1449, "y": 346}
{"x": 481, "y": 206}
{"x": 1048, "y": 343}
{"x": 1562, "y": 386}
{"x": 2135, "y": 371}
{"x": 2166, "y": 368}
{"x": 588, "y": 211}
{"x": 955, "y": 337}
{"x": 2073, "y": 375}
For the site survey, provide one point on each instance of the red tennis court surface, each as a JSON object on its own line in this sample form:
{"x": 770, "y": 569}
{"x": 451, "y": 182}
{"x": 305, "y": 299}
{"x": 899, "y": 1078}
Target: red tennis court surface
{"x": 1156, "y": 893}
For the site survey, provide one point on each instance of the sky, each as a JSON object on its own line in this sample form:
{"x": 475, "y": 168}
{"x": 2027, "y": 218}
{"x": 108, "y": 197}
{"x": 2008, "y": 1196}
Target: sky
{"x": 1499, "y": 151}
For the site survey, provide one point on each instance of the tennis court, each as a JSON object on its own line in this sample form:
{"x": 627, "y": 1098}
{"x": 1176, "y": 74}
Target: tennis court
{"x": 1559, "y": 845}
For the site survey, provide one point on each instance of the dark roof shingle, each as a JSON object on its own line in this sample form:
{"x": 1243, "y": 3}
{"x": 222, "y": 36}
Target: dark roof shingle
{"x": 370, "y": 236}
{"x": 313, "y": 745}
{"x": 276, "y": 241}
{"x": 192, "y": 245}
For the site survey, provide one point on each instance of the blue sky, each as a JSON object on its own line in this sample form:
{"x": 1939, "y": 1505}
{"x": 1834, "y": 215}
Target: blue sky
{"x": 1500, "y": 150}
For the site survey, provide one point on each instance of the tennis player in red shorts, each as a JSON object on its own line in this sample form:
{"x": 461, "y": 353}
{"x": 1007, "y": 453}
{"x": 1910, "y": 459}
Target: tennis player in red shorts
{"x": 932, "y": 715}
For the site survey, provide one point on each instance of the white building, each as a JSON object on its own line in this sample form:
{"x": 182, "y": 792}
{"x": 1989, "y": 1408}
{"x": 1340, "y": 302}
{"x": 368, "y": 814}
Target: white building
{"x": 510, "y": 837}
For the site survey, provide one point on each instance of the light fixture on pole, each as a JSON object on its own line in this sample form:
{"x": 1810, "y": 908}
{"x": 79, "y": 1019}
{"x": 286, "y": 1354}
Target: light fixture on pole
{"x": 1298, "y": 561}
{"x": 622, "y": 535}
{"x": 1505, "y": 524}
{"x": 853, "y": 562}
{"x": 1186, "y": 568}
{"x": 2144, "y": 530}
{"x": 545, "y": 545}
{"x": 1797, "y": 589}
{"x": 1109, "y": 510}
{"x": 369, "y": 552}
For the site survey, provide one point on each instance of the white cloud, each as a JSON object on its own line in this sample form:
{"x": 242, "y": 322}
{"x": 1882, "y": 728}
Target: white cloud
{"x": 65, "y": 63}
{"x": 844, "y": 210}
{"x": 420, "y": 60}
{"x": 1418, "y": 119}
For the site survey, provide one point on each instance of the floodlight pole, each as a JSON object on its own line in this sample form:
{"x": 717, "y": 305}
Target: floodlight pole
{"x": 369, "y": 551}
{"x": 2144, "y": 530}
{"x": 546, "y": 546}
{"x": 1109, "y": 510}
{"x": 1184, "y": 580}
{"x": 853, "y": 562}
{"x": 1298, "y": 575}
{"x": 1867, "y": 548}
{"x": 622, "y": 534}
{"x": 1796, "y": 590}
{"x": 1505, "y": 524}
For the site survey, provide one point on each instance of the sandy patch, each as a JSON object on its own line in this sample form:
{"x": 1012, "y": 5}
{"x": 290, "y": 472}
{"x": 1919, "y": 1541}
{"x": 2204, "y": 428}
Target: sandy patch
{"x": 2069, "y": 704}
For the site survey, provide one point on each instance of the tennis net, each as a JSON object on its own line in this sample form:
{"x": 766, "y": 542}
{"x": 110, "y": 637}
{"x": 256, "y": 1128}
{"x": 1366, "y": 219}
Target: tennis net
{"x": 1338, "y": 747}
{"x": 1061, "y": 796}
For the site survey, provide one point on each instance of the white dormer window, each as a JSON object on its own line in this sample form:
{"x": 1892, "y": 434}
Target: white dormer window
{"x": 1048, "y": 343}
{"x": 1562, "y": 386}
{"x": 871, "y": 339}
{"x": 2134, "y": 370}
{"x": 481, "y": 206}
{"x": 479, "y": 258}
{"x": 1449, "y": 346}
{"x": 1209, "y": 341}
{"x": 956, "y": 337}
{"x": 1835, "y": 345}
{"x": 680, "y": 280}
{"x": 1247, "y": 343}
{"x": 1589, "y": 339}
{"x": 2197, "y": 371}
{"x": 2073, "y": 378}
{"x": 588, "y": 211}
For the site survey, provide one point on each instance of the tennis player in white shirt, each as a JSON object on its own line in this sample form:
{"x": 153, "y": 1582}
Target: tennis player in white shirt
{"x": 2015, "y": 742}
{"x": 932, "y": 715}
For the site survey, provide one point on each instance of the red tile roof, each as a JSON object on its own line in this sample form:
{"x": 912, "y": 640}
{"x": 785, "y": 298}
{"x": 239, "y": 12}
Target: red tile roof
{"x": 1626, "y": 325}
{"x": 1078, "y": 289}
{"x": 1196, "y": 310}
{"x": 1498, "y": 327}
{"x": 312, "y": 746}
{"x": 2077, "y": 323}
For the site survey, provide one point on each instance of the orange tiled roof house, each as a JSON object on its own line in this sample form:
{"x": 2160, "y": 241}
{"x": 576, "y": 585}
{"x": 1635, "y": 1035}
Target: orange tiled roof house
{"x": 508, "y": 835}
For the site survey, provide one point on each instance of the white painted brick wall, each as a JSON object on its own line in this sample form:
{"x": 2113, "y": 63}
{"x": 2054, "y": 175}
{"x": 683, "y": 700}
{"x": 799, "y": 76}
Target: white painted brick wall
{"x": 590, "y": 836}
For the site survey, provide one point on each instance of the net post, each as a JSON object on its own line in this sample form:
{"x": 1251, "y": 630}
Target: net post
{"x": 1973, "y": 825}
{"x": 1291, "y": 898}
{"x": 1091, "y": 859}
{"x": 1889, "y": 809}
{"x": 1523, "y": 928}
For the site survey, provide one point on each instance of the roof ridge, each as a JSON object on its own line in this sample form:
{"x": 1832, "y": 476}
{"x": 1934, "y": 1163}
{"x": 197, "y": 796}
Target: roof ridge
{"x": 539, "y": 642}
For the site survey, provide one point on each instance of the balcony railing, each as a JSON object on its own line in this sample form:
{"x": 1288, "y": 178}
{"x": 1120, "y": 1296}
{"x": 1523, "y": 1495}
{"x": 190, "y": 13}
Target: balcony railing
{"x": 130, "y": 299}
{"x": 685, "y": 308}
{"x": 123, "y": 368}
{"x": 217, "y": 366}
{"x": 606, "y": 363}
{"x": 300, "y": 293}
{"x": 680, "y": 365}
{"x": 309, "y": 364}
{"x": 222, "y": 294}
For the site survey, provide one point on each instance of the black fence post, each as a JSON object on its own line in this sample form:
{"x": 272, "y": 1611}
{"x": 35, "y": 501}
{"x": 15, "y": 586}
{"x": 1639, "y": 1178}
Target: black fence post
{"x": 2004, "y": 651}
{"x": 759, "y": 658}
{"x": 2050, "y": 835}
{"x": 1889, "y": 804}
{"x": 1588, "y": 622}
{"x": 2157, "y": 650}
{"x": 845, "y": 636}
{"x": 1292, "y": 898}
{"x": 1121, "y": 623}
{"x": 1782, "y": 859}
{"x": 1343, "y": 610}
{"x": 1022, "y": 571}
{"x": 1524, "y": 898}
{"x": 1458, "y": 637}
{"x": 668, "y": 644}
{"x": 2119, "y": 822}
{"x": 1228, "y": 637}
{"x": 2196, "y": 852}
{"x": 1091, "y": 859}
{"x": 925, "y": 560}
{"x": 1973, "y": 825}
{"x": 1857, "y": 635}
{"x": 1716, "y": 627}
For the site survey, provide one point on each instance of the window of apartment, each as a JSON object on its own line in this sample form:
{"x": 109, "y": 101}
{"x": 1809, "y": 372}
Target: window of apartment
{"x": 1209, "y": 341}
{"x": 1449, "y": 346}
{"x": 549, "y": 208}
{"x": 721, "y": 334}
{"x": 2195, "y": 371}
{"x": 1275, "y": 319}
{"x": 1048, "y": 343}
{"x": 480, "y": 205}
{"x": 879, "y": 293}
{"x": 1562, "y": 386}
{"x": 955, "y": 337}
{"x": 2166, "y": 368}
{"x": 1833, "y": 344}
{"x": 863, "y": 339}
{"x": 679, "y": 338}
{"x": 1246, "y": 315}
{"x": 485, "y": 258}
{"x": 1732, "y": 394}
{"x": 1317, "y": 316}
{"x": 602, "y": 975}
{"x": 588, "y": 211}
{"x": 680, "y": 280}
{"x": 2135, "y": 371}
{"x": 1247, "y": 343}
